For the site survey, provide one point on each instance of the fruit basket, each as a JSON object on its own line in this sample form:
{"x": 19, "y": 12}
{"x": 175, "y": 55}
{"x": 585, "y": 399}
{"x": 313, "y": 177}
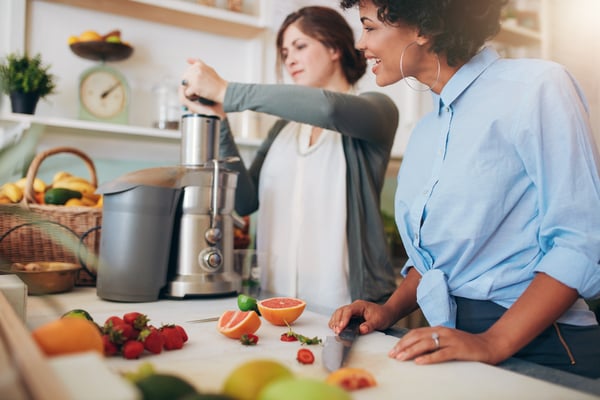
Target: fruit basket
{"x": 96, "y": 47}
{"x": 102, "y": 50}
{"x": 45, "y": 277}
{"x": 30, "y": 231}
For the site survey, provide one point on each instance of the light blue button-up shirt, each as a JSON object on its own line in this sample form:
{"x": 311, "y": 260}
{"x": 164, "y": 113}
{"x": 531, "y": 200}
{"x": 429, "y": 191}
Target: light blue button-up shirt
{"x": 499, "y": 181}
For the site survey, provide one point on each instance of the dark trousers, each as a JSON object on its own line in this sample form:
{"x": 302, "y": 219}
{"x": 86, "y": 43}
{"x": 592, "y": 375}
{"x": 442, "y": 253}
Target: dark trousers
{"x": 574, "y": 349}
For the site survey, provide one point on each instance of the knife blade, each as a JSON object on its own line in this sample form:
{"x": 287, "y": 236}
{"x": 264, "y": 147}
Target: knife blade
{"x": 209, "y": 319}
{"x": 336, "y": 348}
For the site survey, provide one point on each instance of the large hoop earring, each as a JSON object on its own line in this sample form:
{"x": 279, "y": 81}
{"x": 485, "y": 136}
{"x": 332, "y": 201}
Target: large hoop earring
{"x": 407, "y": 79}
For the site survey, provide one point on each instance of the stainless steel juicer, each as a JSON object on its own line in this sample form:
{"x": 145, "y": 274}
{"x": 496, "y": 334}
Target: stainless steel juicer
{"x": 168, "y": 231}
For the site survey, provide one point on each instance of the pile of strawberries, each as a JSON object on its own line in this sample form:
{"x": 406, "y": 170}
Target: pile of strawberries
{"x": 131, "y": 335}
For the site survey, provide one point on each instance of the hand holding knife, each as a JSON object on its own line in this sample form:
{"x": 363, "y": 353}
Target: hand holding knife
{"x": 336, "y": 348}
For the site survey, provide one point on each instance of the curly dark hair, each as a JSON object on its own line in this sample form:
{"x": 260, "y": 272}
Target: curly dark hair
{"x": 330, "y": 28}
{"x": 458, "y": 28}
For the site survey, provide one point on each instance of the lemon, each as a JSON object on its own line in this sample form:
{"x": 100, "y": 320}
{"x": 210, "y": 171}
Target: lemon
{"x": 89, "y": 36}
{"x": 248, "y": 379}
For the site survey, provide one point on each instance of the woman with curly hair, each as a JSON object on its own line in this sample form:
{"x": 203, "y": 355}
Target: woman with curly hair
{"x": 498, "y": 194}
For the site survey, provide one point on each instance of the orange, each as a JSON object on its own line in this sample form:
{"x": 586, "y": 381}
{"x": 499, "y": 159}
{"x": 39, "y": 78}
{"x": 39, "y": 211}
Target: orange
{"x": 281, "y": 311}
{"x": 351, "y": 378}
{"x": 234, "y": 324}
{"x": 68, "y": 335}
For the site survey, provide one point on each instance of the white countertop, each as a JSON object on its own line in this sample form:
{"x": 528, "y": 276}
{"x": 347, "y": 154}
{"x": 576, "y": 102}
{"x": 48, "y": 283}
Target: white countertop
{"x": 208, "y": 357}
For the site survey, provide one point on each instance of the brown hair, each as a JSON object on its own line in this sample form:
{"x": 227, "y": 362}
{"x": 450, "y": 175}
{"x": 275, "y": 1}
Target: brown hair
{"x": 330, "y": 28}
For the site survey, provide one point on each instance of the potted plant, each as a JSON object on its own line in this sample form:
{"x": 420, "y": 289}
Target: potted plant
{"x": 26, "y": 80}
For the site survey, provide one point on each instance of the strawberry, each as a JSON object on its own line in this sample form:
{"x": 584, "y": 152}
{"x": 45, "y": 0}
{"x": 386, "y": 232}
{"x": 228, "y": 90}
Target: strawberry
{"x": 249, "y": 339}
{"x": 305, "y": 356}
{"x": 121, "y": 332}
{"x": 138, "y": 320}
{"x": 110, "y": 349}
{"x": 132, "y": 349}
{"x": 110, "y": 322}
{"x": 152, "y": 339}
{"x": 182, "y": 332}
{"x": 172, "y": 337}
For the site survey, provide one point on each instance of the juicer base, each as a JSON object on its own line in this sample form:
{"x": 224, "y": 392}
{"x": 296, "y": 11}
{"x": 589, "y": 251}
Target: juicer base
{"x": 204, "y": 284}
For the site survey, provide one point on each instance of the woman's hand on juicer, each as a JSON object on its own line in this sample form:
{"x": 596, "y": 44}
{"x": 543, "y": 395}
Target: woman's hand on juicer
{"x": 199, "y": 108}
{"x": 201, "y": 80}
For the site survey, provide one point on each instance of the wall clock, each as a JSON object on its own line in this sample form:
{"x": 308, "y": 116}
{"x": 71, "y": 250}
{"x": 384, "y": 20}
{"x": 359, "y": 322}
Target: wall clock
{"x": 103, "y": 95}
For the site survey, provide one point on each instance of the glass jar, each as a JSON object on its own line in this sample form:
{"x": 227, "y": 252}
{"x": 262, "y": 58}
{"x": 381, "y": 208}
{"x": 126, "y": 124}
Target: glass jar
{"x": 168, "y": 109}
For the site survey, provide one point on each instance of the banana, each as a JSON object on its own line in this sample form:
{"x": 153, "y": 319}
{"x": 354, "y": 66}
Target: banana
{"x": 60, "y": 175}
{"x": 12, "y": 191}
{"x": 75, "y": 183}
{"x": 92, "y": 197}
{"x": 39, "y": 185}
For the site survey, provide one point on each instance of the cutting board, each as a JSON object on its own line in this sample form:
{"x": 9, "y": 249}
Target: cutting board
{"x": 208, "y": 357}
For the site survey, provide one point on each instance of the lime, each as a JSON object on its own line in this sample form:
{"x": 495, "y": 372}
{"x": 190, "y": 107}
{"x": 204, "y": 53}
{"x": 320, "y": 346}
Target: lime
{"x": 144, "y": 369}
{"x": 164, "y": 387}
{"x": 247, "y": 303}
{"x": 207, "y": 396}
{"x": 78, "y": 313}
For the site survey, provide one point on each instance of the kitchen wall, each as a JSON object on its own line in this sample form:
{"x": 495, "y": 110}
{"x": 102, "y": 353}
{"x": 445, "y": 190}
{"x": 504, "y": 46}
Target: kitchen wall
{"x": 575, "y": 43}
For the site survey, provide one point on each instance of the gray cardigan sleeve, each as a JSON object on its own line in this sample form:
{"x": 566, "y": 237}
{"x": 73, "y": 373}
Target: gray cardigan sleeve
{"x": 370, "y": 116}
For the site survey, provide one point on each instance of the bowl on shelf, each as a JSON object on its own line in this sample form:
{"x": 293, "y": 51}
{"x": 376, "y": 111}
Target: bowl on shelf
{"x": 44, "y": 277}
{"x": 101, "y": 50}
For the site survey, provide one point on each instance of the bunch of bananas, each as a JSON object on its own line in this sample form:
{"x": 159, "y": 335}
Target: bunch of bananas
{"x": 65, "y": 189}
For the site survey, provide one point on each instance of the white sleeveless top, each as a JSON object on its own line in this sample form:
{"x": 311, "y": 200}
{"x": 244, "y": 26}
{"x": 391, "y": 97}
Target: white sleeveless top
{"x": 301, "y": 222}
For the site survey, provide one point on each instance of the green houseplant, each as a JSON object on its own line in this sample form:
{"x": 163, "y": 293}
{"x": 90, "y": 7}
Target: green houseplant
{"x": 26, "y": 80}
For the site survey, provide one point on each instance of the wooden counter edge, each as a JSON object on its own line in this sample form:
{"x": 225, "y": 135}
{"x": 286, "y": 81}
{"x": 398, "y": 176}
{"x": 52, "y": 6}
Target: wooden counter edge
{"x": 37, "y": 376}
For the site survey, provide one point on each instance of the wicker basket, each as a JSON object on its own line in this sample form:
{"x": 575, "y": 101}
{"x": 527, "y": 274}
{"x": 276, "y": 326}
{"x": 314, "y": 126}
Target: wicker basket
{"x": 38, "y": 232}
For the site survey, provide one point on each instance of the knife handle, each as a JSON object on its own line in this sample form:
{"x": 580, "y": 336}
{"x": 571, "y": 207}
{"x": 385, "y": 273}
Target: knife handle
{"x": 351, "y": 330}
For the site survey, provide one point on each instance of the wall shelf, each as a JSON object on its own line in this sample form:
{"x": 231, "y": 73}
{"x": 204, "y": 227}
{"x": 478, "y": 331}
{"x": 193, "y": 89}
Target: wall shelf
{"x": 184, "y": 14}
{"x": 515, "y": 35}
{"x": 73, "y": 126}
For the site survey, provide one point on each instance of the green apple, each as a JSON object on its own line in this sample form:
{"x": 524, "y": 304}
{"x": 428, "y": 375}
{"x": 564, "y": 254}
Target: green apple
{"x": 302, "y": 389}
{"x": 113, "y": 39}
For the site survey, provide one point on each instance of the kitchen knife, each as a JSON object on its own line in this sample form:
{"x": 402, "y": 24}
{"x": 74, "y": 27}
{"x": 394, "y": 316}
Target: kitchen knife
{"x": 209, "y": 319}
{"x": 336, "y": 348}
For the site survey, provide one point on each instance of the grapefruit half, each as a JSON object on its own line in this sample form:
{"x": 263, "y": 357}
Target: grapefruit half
{"x": 234, "y": 324}
{"x": 281, "y": 311}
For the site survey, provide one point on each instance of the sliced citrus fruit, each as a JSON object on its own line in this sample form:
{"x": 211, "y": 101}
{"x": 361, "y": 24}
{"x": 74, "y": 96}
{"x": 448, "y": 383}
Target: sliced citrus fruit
{"x": 351, "y": 378}
{"x": 234, "y": 324}
{"x": 281, "y": 311}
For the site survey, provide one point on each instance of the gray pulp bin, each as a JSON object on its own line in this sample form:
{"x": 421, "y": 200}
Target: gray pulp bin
{"x": 135, "y": 245}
